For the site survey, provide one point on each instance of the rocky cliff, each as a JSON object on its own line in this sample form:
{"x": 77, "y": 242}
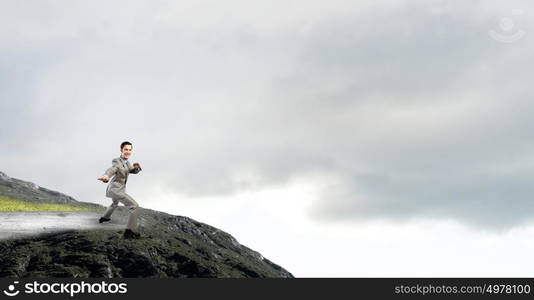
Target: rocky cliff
{"x": 170, "y": 246}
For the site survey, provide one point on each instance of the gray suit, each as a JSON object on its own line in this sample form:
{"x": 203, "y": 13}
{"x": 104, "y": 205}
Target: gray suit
{"x": 116, "y": 190}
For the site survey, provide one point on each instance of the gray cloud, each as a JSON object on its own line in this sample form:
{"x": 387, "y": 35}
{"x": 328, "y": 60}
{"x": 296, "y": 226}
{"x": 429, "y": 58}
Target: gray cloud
{"x": 413, "y": 108}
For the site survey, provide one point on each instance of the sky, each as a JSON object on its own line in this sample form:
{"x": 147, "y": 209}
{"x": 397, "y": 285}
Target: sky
{"x": 338, "y": 138}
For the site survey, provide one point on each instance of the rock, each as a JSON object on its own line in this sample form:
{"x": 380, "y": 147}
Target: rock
{"x": 105, "y": 253}
{"x": 170, "y": 246}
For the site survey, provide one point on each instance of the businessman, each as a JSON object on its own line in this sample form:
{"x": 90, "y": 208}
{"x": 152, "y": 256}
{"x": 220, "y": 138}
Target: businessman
{"x": 116, "y": 189}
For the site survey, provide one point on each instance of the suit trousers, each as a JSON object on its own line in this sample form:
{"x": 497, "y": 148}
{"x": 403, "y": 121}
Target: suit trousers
{"x": 130, "y": 203}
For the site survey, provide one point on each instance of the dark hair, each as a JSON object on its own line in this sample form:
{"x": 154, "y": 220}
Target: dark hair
{"x": 125, "y": 143}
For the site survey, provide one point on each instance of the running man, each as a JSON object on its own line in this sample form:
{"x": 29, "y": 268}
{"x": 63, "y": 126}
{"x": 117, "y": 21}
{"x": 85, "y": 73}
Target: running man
{"x": 116, "y": 189}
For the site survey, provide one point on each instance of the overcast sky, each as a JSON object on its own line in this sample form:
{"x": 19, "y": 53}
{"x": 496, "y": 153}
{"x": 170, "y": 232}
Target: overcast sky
{"x": 337, "y": 138}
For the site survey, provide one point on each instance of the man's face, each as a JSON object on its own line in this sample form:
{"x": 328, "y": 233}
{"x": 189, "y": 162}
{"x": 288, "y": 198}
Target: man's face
{"x": 126, "y": 151}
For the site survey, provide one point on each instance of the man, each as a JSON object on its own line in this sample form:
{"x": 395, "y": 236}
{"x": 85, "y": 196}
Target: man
{"x": 116, "y": 189}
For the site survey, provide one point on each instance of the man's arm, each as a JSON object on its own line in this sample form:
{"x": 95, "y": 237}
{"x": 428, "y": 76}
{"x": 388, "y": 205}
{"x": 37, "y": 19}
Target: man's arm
{"x": 113, "y": 169}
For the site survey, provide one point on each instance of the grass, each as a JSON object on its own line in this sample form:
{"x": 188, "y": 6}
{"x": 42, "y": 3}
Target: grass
{"x": 11, "y": 204}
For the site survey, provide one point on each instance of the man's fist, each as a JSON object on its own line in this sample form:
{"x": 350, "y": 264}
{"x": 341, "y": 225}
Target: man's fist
{"x": 137, "y": 165}
{"x": 103, "y": 178}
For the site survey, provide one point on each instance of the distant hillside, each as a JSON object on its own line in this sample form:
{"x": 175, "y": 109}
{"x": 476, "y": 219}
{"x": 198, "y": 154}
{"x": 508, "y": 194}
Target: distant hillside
{"x": 13, "y": 188}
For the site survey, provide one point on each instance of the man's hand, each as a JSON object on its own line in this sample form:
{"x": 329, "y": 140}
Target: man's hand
{"x": 137, "y": 165}
{"x": 103, "y": 178}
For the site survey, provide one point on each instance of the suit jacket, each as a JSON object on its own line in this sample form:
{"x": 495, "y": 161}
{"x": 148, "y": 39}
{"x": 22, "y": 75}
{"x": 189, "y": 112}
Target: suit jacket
{"x": 119, "y": 170}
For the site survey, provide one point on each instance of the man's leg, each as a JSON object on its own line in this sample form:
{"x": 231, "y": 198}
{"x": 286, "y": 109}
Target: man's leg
{"x": 111, "y": 209}
{"x": 133, "y": 207}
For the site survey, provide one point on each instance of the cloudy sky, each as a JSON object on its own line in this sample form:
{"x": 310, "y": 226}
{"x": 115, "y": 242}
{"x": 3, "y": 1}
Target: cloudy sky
{"x": 337, "y": 138}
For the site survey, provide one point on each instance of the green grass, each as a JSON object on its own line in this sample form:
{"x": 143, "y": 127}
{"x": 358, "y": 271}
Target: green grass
{"x": 11, "y": 204}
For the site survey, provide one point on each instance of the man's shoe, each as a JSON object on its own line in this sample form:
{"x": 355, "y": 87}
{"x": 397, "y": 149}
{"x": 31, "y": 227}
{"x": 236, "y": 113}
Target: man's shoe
{"x": 102, "y": 220}
{"x": 129, "y": 234}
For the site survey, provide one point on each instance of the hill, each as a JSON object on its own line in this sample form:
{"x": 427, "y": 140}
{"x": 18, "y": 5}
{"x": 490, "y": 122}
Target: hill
{"x": 171, "y": 246}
